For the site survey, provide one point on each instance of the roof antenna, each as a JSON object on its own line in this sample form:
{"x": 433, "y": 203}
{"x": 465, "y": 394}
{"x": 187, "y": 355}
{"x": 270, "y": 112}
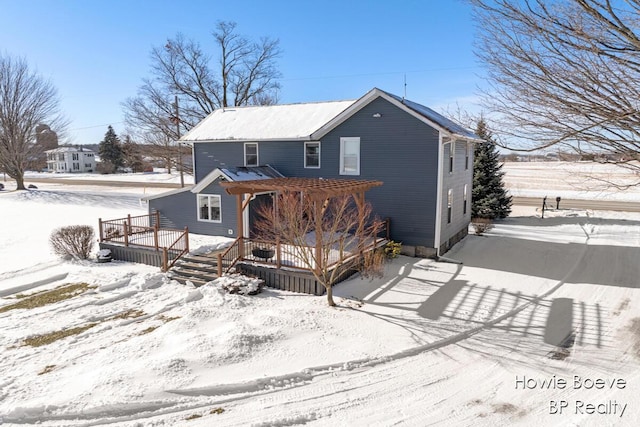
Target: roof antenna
{"x": 405, "y": 87}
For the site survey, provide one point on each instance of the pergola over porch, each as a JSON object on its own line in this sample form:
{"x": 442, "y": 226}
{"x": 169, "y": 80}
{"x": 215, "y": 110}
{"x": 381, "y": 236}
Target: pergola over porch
{"x": 314, "y": 189}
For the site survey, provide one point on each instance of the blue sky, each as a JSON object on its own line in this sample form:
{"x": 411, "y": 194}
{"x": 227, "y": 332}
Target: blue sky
{"x": 96, "y": 52}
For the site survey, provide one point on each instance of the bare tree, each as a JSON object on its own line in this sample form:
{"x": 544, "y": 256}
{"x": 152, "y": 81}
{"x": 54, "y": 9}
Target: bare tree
{"x": 26, "y": 100}
{"x": 245, "y": 74}
{"x": 327, "y": 237}
{"x": 563, "y": 73}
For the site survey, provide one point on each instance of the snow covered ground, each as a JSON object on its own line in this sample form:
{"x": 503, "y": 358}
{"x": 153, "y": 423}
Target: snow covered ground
{"x": 537, "y": 325}
{"x": 571, "y": 180}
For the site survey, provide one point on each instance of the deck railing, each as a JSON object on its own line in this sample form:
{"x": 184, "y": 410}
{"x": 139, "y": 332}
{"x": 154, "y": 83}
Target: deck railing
{"x": 301, "y": 257}
{"x": 145, "y": 231}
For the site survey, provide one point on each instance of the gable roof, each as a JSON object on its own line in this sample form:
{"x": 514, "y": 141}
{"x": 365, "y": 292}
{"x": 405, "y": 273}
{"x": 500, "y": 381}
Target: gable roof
{"x": 419, "y": 111}
{"x": 310, "y": 121}
{"x": 69, "y": 149}
{"x": 236, "y": 174}
{"x": 272, "y": 122}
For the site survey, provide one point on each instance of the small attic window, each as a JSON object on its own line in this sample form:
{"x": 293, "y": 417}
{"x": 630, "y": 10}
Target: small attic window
{"x": 251, "y": 154}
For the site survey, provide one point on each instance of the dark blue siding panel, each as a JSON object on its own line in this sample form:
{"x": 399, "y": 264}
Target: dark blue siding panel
{"x": 401, "y": 151}
{"x": 180, "y": 210}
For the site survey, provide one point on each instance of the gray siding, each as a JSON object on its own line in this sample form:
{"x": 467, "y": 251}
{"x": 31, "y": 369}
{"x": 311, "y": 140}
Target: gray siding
{"x": 180, "y": 210}
{"x": 402, "y": 152}
{"x": 450, "y": 232}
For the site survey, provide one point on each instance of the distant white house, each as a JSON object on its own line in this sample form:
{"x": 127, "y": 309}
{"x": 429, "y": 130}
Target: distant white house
{"x": 71, "y": 159}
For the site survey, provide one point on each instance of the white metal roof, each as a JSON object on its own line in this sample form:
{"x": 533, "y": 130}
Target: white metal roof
{"x": 69, "y": 149}
{"x": 273, "y": 122}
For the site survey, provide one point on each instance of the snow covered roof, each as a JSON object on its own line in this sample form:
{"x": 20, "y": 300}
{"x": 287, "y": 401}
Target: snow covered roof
{"x": 69, "y": 149}
{"x": 165, "y": 194}
{"x": 435, "y": 117}
{"x": 310, "y": 121}
{"x": 273, "y": 122}
{"x": 240, "y": 173}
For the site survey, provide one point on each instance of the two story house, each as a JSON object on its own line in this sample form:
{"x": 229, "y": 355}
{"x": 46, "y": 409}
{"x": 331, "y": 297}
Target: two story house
{"x": 424, "y": 160}
{"x": 71, "y": 159}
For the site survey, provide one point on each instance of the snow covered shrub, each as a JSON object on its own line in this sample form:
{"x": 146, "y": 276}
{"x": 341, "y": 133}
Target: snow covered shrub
{"x": 74, "y": 241}
{"x": 481, "y": 225}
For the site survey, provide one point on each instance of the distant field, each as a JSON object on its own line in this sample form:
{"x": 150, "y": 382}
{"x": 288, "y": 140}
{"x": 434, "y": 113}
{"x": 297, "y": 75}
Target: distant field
{"x": 581, "y": 180}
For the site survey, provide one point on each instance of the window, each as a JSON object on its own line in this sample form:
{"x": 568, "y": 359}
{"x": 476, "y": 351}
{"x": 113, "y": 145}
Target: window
{"x": 451, "y": 150}
{"x": 75, "y": 156}
{"x": 312, "y": 154}
{"x": 449, "y": 205}
{"x": 464, "y": 201}
{"x": 209, "y": 208}
{"x": 76, "y": 166}
{"x": 251, "y": 154}
{"x": 466, "y": 156}
{"x": 350, "y": 156}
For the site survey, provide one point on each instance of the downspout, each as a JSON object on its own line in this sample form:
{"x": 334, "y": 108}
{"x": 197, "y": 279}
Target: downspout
{"x": 439, "y": 195}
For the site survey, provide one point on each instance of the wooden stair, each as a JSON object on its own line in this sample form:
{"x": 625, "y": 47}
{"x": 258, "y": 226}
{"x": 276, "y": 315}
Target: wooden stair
{"x": 197, "y": 269}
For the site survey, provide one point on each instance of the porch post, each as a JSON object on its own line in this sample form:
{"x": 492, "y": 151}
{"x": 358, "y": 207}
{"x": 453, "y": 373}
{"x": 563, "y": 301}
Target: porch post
{"x": 318, "y": 214}
{"x": 239, "y": 218}
{"x": 100, "y": 229}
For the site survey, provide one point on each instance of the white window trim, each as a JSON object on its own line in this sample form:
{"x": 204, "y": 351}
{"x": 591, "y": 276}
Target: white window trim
{"x": 209, "y": 196}
{"x": 319, "y": 154}
{"x": 343, "y": 140}
{"x": 257, "y": 154}
{"x": 452, "y": 158}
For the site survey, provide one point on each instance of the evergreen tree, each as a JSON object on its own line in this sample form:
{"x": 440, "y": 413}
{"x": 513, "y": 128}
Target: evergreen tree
{"x": 110, "y": 151}
{"x": 131, "y": 155}
{"x": 489, "y": 197}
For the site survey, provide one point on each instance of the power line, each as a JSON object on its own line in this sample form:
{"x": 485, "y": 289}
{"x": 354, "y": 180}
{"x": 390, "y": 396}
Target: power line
{"x": 379, "y": 74}
{"x": 96, "y": 126}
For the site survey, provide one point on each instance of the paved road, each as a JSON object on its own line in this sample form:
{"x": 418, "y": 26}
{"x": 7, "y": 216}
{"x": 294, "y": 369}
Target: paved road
{"x": 605, "y": 205}
{"x": 79, "y": 181}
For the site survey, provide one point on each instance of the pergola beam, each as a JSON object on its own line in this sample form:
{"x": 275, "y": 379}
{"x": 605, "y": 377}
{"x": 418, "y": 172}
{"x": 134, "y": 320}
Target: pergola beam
{"x": 314, "y": 188}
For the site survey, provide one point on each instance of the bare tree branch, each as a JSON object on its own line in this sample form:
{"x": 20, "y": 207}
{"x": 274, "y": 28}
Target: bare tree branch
{"x": 26, "y": 100}
{"x": 339, "y": 226}
{"x": 563, "y": 73}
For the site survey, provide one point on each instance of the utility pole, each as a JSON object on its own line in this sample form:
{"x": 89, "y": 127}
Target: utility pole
{"x": 179, "y": 144}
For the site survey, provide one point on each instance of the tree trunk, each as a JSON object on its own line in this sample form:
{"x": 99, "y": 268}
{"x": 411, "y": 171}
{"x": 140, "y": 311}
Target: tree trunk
{"x": 330, "y": 296}
{"x": 20, "y": 182}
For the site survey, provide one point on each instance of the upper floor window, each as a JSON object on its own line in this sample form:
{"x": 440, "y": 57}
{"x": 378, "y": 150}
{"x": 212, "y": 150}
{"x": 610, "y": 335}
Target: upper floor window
{"x": 350, "y": 156}
{"x": 75, "y": 156}
{"x": 312, "y": 154}
{"x": 452, "y": 149}
{"x": 251, "y": 154}
{"x": 466, "y": 155}
{"x": 464, "y": 201}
